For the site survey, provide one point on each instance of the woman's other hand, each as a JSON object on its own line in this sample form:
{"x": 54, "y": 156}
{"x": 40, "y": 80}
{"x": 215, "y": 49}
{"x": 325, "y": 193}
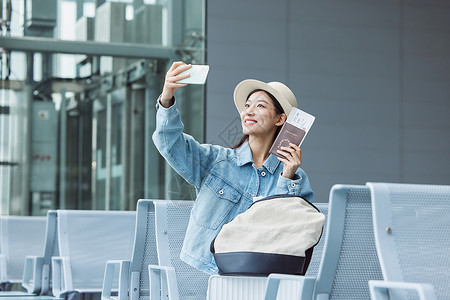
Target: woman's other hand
{"x": 292, "y": 160}
{"x": 170, "y": 84}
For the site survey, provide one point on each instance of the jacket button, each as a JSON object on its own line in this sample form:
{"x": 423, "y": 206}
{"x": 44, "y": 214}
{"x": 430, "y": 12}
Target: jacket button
{"x": 221, "y": 192}
{"x": 263, "y": 173}
{"x": 293, "y": 184}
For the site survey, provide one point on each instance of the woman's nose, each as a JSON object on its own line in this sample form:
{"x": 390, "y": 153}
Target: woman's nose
{"x": 249, "y": 110}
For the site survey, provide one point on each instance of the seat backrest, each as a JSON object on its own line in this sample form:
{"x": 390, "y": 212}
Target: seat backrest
{"x": 20, "y": 236}
{"x": 144, "y": 250}
{"x": 90, "y": 238}
{"x": 318, "y": 249}
{"x": 412, "y": 231}
{"x": 349, "y": 258}
{"x": 172, "y": 218}
{"x": 51, "y": 246}
{"x": 31, "y": 283}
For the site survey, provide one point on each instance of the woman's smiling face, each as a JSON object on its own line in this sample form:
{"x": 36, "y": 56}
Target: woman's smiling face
{"x": 258, "y": 116}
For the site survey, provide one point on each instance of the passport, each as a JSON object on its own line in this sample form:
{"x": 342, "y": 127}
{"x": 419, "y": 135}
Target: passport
{"x": 293, "y": 131}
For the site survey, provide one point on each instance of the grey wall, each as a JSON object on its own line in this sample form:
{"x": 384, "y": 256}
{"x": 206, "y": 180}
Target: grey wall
{"x": 376, "y": 74}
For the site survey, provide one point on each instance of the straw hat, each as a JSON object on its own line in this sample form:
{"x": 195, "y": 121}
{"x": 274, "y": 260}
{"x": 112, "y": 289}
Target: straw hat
{"x": 281, "y": 92}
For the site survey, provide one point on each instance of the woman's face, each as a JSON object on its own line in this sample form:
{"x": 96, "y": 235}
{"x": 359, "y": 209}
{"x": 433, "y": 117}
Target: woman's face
{"x": 259, "y": 117}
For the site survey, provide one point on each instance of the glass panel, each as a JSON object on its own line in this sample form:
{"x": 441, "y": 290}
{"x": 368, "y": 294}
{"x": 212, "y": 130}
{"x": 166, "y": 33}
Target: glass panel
{"x": 99, "y": 152}
{"x": 105, "y": 106}
{"x": 116, "y": 148}
{"x": 5, "y": 158}
{"x": 72, "y": 157}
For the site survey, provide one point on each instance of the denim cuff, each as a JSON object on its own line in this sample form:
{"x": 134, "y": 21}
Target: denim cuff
{"x": 163, "y": 111}
{"x": 289, "y": 186}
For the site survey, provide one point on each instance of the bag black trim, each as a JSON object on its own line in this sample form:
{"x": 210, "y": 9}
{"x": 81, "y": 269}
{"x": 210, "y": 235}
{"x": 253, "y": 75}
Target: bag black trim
{"x": 261, "y": 264}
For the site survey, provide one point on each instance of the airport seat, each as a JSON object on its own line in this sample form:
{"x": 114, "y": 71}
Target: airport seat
{"x": 411, "y": 225}
{"x": 349, "y": 257}
{"x": 87, "y": 239}
{"x": 36, "y": 272}
{"x": 132, "y": 275}
{"x": 20, "y": 236}
{"x": 253, "y": 288}
{"x": 173, "y": 279}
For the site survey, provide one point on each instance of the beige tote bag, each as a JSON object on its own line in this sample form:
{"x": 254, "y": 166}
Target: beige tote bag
{"x": 276, "y": 234}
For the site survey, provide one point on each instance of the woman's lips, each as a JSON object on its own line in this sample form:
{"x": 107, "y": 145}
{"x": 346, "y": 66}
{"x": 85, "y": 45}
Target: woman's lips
{"x": 249, "y": 122}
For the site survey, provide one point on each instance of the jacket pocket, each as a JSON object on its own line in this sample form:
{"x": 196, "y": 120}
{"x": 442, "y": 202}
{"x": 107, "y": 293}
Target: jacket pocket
{"x": 214, "y": 202}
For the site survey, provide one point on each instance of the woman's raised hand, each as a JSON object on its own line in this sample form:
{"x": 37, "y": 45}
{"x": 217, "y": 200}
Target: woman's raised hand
{"x": 292, "y": 160}
{"x": 170, "y": 84}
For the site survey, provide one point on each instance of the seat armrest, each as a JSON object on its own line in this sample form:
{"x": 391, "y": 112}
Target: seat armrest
{"x": 32, "y": 274}
{"x": 379, "y": 289}
{"x": 45, "y": 279}
{"x": 61, "y": 276}
{"x": 124, "y": 279}
{"x": 163, "y": 283}
{"x": 273, "y": 283}
{"x": 241, "y": 287}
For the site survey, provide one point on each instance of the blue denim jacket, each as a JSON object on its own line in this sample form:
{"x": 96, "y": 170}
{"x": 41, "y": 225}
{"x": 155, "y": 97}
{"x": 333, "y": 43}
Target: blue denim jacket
{"x": 226, "y": 180}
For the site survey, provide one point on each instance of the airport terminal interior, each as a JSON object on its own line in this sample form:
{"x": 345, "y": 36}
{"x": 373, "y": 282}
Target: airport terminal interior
{"x": 79, "y": 81}
{"x": 83, "y": 185}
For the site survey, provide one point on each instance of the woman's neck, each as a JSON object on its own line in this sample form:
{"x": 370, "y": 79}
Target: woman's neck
{"x": 260, "y": 147}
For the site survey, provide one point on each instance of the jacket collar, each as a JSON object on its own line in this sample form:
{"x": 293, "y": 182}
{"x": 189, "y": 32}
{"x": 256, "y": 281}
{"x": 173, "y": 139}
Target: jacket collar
{"x": 244, "y": 156}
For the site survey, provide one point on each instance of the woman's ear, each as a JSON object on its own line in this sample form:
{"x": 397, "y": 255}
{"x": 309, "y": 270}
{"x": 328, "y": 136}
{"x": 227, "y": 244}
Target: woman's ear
{"x": 281, "y": 119}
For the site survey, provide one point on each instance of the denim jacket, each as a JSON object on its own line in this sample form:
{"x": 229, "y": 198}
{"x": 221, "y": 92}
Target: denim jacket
{"x": 226, "y": 181}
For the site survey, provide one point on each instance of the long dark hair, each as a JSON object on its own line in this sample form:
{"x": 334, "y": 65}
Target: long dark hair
{"x": 278, "y": 110}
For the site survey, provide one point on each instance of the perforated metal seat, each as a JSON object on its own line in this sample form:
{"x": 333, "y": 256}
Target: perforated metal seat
{"x": 349, "y": 258}
{"x": 181, "y": 280}
{"x": 133, "y": 278}
{"x": 252, "y": 288}
{"x": 148, "y": 255}
{"x": 318, "y": 249}
{"x": 37, "y": 271}
{"x": 20, "y": 236}
{"x": 87, "y": 239}
{"x": 412, "y": 231}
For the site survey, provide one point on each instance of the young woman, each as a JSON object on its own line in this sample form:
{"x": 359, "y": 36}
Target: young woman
{"x": 227, "y": 180}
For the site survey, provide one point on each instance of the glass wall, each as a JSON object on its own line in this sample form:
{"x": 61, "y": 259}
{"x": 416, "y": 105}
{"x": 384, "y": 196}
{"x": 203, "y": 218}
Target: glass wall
{"x": 76, "y": 125}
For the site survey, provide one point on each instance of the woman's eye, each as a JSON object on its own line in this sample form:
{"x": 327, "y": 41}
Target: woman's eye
{"x": 260, "y": 105}
{"x": 246, "y": 105}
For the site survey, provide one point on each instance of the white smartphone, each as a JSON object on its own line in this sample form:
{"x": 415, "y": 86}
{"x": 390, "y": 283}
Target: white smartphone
{"x": 198, "y": 74}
